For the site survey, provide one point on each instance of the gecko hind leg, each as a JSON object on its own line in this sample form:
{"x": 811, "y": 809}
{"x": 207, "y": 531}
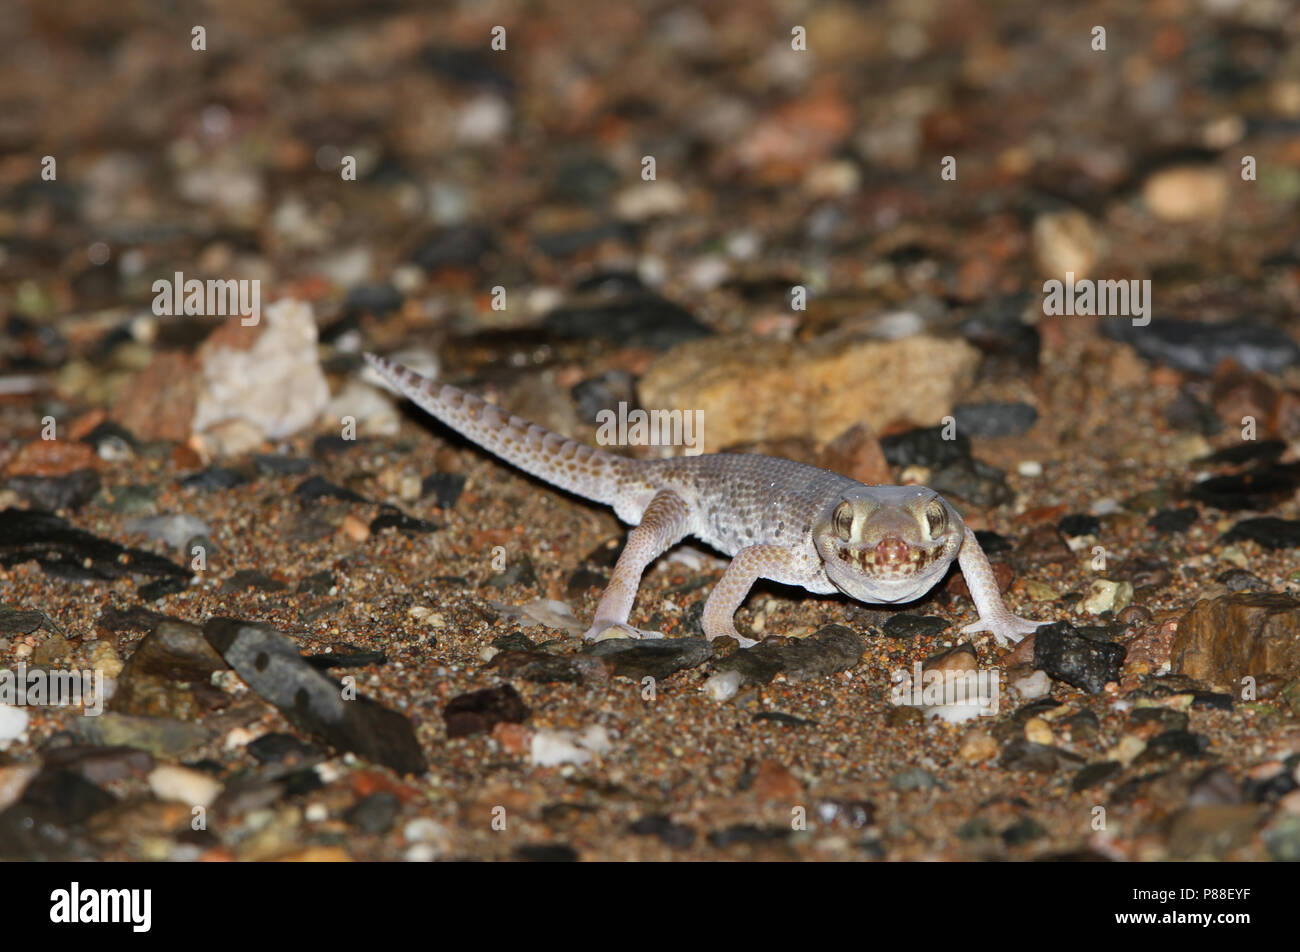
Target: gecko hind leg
{"x": 665, "y": 522}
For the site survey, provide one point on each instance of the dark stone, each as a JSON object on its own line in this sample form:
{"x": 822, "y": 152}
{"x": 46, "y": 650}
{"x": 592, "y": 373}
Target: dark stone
{"x": 542, "y": 668}
{"x": 168, "y": 675}
{"x": 748, "y": 833}
{"x": 99, "y": 764}
{"x": 671, "y": 834}
{"x": 1067, "y": 656}
{"x": 570, "y": 241}
{"x": 345, "y": 659}
{"x": 652, "y": 658}
{"x": 445, "y": 487}
{"x": 330, "y": 444}
{"x": 1025, "y": 755}
{"x": 479, "y": 711}
{"x": 214, "y": 478}
{"x": 67, "y": 552}
{"x": 392, "y": 518}
{"x": 1166, "y": 717}
{"x": 974, "y": 481}
{"x": 546, "y": 853}
{"x": 162, "y": 588}
{"x": 995, "y": 419}
{"x": 1186, "y": 412}
{"x": 1239, "y": 580}
{"x": 828, "y": 651}
{"x": 270, "y": 664}
{"x": 31, "y": 833}
{"x": 913, "y": 626}
{"x": 376, "y": 299}
{"x": 161, "y": 736}
{"x": 991, "y": 542}
{"x": 1079, "y": 524}
{"x": 914, "y": 778}
{"x": 604, "y": 392}
{"x": 999, "y": 332}
{"x": 1083, "y": 726}
{"x": 1211, "y": 701}
{"x": 277, "y": 465}
{"x": 315, "y": 487}
{"x": 1024, "y": 830}
{"x": 318, "y": 583}
{"x": 69, "y": 792}
{"x": 584, "y": 580}
{"x": 1169, "y": 521}
{"x": 281, "y": 748}
{"x": 1268, "y": 531}
{"x": 519, "y": 572}
{"x": 252, "y": 578}
{"x": 374, "y": 813}
{"x": 111, "y": 435}
{"x": 469, "y": 66}
{"x": 779, "y": 717}
{"x": 515, "y": 641}
{"x": 1197, "y": 347}
{"x": 639, "y": 320}
{"x": 1176, "y": 742}
{"x": 925, "y": 446}
{"x": 584, "y": 178}
{"x": 1269, "y": 789}
{"x": 463, "y": 246}
{"x": 1035, "y": 709}
{"x": 13, "y": 621}
{"x": 1254, "y": 490}
{"x": 1094, "y": 775}
{"x": 69, "y": 491}
{"x": 1249, "y": 451}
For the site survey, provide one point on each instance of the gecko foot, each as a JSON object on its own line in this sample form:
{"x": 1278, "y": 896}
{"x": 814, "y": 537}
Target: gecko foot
{"x": 602, "y": 630}
{"x": 1005, "y": 628}
{"x": 731, "y": 633}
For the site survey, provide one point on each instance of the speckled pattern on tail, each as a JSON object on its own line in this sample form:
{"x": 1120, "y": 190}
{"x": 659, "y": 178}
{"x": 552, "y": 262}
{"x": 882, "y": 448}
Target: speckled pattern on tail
{"x": 562, "y": 462}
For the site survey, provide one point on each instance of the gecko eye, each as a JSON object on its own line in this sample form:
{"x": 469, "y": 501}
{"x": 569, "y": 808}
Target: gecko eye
{"x": 842, "y": 520}
{"x": 936, "y": 519}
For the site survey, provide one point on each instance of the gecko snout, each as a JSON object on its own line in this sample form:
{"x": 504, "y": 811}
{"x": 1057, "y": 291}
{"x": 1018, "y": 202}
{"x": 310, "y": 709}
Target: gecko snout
{"x": 892, "y": 550}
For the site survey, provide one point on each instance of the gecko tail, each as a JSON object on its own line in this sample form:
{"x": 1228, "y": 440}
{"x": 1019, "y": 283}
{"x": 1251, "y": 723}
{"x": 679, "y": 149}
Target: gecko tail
{"x": 560, "y": 461}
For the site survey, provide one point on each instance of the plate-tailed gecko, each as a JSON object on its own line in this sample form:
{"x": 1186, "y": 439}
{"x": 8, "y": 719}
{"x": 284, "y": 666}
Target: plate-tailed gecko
{"x": 778, "y": 519}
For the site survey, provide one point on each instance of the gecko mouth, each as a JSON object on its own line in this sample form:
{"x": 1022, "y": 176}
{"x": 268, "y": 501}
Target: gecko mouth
{"x": 891, "y": 558}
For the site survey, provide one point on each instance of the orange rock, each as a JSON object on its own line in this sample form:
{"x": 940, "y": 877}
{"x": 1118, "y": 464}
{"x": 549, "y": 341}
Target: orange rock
{"x": 158, "y": 402}
{"x": 514, "y": 738}
{"x": 83, "y": 424}
{"x": 856, "y": 453}
{"x": 775, "y": 784}
{"x": 356, "y": 529}
{"x": 52, "y": 458}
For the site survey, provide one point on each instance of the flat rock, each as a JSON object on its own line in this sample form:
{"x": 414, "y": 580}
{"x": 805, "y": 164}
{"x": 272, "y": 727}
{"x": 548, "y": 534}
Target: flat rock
{"x": 1224, "y": 639}
{"x": 827, "y": 651}
{"x": 270, "y": 664}
{"x": 68, "y": 552}
{"x": 652, "y": 659}
{"x": 752, "y": 390}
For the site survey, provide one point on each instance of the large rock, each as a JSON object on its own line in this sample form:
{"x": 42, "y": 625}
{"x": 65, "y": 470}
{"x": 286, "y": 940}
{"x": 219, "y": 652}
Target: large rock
{"x": 1224, "y": 639}
{"x": 750, "y": 390}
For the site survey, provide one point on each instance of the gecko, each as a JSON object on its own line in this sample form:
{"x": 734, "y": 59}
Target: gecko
{"x": 777, "y": 519}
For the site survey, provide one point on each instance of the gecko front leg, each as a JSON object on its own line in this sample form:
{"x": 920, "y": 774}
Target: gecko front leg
{"x": 665, "y": 522}
{"x": 749, "y": 565}
{"x": 994, "y": 617}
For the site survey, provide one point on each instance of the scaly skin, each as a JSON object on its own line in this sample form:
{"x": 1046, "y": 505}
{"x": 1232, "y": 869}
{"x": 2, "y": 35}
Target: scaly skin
{"x": 778, "y": 519}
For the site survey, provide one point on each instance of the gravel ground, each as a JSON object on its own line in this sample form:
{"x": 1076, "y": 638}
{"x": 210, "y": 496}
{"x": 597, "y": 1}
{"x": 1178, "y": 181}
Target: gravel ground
{"x": 1136, "y": 480}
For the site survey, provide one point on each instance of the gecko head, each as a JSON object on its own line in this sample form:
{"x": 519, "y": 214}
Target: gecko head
{"x": 887, "y": 543}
